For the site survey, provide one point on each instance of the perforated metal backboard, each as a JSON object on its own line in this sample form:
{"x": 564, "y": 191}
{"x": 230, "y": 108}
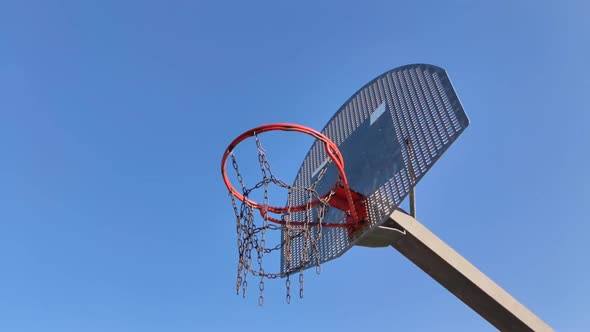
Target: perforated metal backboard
{"x": 415, "y": 104}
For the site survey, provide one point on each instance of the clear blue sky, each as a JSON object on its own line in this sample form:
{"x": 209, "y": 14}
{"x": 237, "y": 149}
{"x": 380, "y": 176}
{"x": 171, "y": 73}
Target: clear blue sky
{"x": 114, "y": 116}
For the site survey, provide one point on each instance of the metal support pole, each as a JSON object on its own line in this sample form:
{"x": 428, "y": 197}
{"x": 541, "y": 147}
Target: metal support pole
{"x": 455, "y": 273}
{"x": 413, "y": 202}
{"x": 412, "y": 177}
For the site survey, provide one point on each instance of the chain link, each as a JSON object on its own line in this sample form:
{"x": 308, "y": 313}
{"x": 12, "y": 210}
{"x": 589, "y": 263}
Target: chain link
{"x": 251, "y": 236}
{"x": 264, "y": 166}
{"x": 261, "y": 288}
{"x": 288, "y": 286}
{"x": 301, "y": 284}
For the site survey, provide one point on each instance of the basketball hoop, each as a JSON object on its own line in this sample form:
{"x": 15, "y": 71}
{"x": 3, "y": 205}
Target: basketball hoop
{"x": 252, "y": 234}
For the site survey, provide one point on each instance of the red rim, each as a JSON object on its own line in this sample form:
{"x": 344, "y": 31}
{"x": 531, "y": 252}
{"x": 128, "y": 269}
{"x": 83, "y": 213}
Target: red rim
{"x": 332, "y": 151}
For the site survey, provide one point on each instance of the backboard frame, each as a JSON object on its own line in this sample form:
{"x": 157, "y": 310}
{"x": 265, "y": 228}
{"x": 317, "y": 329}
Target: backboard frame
{"x": 405, "y": 118}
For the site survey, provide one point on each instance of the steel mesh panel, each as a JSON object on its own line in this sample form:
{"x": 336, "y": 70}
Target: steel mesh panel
{"x": 422, "y": 107}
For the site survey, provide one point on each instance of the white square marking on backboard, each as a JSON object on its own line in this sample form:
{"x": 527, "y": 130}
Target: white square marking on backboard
{"x": 322, "y": 165}
{"x": 377, "y": 112}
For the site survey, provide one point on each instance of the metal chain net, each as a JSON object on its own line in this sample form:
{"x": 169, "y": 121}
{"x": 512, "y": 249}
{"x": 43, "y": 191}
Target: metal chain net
{"x": 251, "y": 227}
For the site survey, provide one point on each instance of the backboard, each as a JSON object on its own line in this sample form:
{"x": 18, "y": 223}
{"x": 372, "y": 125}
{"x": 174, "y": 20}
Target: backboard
{"x": 390, "y": 133}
